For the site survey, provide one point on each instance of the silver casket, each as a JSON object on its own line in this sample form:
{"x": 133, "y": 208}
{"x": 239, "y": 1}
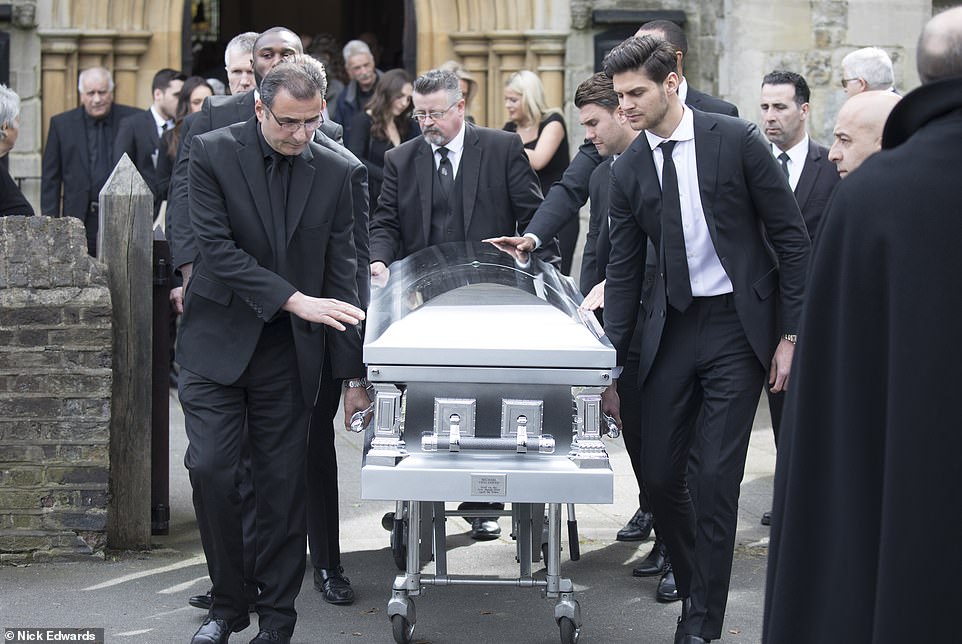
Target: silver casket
{"x": 488, "y": 382}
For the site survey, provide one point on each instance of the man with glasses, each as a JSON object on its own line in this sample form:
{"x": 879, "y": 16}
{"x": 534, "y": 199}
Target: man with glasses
{"x": 867, "y": 69}
{"x": 273, "y": 219}
{"x": 456, "y": 182}
{"x": 269, "y": 49}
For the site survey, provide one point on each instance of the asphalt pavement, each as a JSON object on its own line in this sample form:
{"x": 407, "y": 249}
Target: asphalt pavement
{"x": 142, "y": 596}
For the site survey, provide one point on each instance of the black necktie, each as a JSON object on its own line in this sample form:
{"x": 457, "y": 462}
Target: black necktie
{"x": 446, "y": 173}
{"x": 783, "y": 161}
{"x": 673, "y": 237}
{"x": 278, "y": 176}
{"x": 102, "y": 161}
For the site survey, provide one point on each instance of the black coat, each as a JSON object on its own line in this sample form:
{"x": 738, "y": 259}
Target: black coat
{"x": 12, "y": 201}
{"x": 239, "y": 284}
{"x": 743, "y": 192}
{"x": 137, "y": 138}
{"x": 66, "y": 162}
{"x": 815, "y": 185}
{"x": 868, "y": 455}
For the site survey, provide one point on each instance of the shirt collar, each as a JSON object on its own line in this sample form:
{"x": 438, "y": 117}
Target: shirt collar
{"x": 683, "y": 89}
{"x": 684, "y": 132}
{"x": 158, "y": 119}
{"x": 455, "y": 145}
{"x": 796, "y": 153}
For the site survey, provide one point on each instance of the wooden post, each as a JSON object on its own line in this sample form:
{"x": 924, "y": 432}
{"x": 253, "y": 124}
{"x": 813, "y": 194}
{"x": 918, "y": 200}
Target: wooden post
{"x": 125, "y": 246}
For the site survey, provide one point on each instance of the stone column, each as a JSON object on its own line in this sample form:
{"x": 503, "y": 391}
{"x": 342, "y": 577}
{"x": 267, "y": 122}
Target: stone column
{"x": 58, "y": 72}
{"x": 509, "y": 53}
{"x": 549, "y": 54}
{"x": 472, "y": 49}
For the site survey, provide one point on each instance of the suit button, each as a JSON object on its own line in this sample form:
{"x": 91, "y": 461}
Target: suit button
{"x": 663, "y": 313}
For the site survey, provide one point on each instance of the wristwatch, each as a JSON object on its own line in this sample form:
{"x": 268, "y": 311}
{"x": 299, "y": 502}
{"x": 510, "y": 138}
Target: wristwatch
{"x": 791, "y": 337}
{"x": 355, "y": 383}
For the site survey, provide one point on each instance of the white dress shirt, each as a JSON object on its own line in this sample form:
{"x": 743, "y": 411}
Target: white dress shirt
{"x": 708, "y": 276}
{"x": 455, "y": 148}
{"x": 796, "y": 159}
{"x": 160, "y": 121}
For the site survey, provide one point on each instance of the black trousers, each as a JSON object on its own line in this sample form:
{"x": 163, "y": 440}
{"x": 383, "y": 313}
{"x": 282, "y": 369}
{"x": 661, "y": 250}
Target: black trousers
{"x": 268, "y": 400}
{"x": 322, "y": 511}
{"x": 630, "y": 394}
{"x": 699, "y": 402}
{"x": 776, "y": 402}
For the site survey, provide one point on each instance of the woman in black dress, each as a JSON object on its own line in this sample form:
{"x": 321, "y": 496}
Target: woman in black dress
{"x": 545, "y": 138}
{"x": 385, "y": 124}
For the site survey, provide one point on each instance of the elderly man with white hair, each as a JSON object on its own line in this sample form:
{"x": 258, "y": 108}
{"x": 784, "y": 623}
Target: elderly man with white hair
{"x": 867, "y": 69}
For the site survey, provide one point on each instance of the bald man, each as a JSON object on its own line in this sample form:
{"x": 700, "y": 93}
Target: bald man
{"x": 869, "y": 451}
{"x": 858, "y": 129}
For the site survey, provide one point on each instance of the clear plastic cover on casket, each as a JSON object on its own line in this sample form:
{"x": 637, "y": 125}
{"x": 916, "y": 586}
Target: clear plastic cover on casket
{"x": 488, "y": 379}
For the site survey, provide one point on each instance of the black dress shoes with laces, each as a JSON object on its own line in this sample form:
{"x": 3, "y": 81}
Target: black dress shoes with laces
{"x": 271, "y": 637}
{"x": 656, "y": 563}
{"x": 484, "y": 529}
{"x": 638, "y": 527}
{"x": 333, "y": 585}
{"x": 667, "y": 590}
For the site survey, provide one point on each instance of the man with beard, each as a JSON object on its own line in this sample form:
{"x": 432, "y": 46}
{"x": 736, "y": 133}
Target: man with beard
{"x": 476, "y": 183}
{"x": 722, "y": 314}
{"x": 871, "y": 442}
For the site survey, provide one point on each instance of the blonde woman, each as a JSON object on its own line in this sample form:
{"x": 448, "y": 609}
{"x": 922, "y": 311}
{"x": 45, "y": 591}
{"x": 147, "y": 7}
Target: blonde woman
{"x": 545, "y": 138}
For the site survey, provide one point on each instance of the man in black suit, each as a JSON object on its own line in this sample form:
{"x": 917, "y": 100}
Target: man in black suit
{"x": 568, "y": 195}
{"x": 270, "y": 48}
{"x": 722, "y": 310}
{"x": 77, "y": 157}
{"x": 273, "y": 219}
{"x": 785, "y": 109}
{"x": 456, "y": 182}
{"x": 139, "y": 135}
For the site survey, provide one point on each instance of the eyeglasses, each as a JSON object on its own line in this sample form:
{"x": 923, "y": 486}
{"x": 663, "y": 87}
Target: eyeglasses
{"x": 435, "y": 116}
{"x": 292, "y": 126}
{"x": 846, "y": 81}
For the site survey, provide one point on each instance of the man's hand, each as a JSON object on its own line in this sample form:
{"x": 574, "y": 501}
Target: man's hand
{"x": 355, "y": 400}
{"x": 323, "y": 310}
{"x": 595, "y": 299}
{"x": 611, "y": 403}
{"x": 781, "y": 366}
{"x": 379, "y": 274}
{"x": 509, "y": 244}
{"x": 177, "y": 294}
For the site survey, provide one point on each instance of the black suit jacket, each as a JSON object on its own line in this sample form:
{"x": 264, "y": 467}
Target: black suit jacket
{"x": 137, "y": 137}
{"x": 500, "y": 192}
{"x": 594, "y": 262}
{"x": 66, "y": 162}
{"x": 221, "y": 111}
{"x": 568, "y": 195}
{"x": 743, "y": 191}
{"x": 238, "y": 282}
{"x": 815, "y": 185}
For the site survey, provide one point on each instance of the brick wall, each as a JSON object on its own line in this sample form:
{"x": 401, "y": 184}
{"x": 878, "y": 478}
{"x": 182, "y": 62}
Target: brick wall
{"x": 55, "y": 379}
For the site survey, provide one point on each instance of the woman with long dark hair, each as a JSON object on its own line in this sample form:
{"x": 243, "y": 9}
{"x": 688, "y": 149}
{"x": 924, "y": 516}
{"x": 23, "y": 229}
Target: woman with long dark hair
{"x": 191, "y": 99}
{"x": 384, "y": 124}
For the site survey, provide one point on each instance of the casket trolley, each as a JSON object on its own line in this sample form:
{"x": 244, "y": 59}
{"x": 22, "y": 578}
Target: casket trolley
{"x": 488, "y": 382}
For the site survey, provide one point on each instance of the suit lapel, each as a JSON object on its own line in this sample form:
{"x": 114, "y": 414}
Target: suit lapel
{"x": 806, "y": 181}
{"x": 252, "y": 166}
{"x": 80, "y": 126}
{"x": 707, "y": 154}
{"x": 424, "y": 167}
{"x": 470, "y": 172}
{"x": 302, "y": 177}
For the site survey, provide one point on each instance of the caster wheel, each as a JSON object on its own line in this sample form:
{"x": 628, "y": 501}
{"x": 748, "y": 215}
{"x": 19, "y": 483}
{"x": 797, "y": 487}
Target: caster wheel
{"x": 398, "y": 546}
{"x": 387, "y": 521}
{"x": 403, "y": 630}
{"x": 569, "y": 632}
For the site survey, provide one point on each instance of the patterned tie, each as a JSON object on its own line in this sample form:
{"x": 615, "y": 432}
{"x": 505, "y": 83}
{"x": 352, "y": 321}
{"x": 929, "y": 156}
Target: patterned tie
{"x": 673, "y": 236}
{"x": 446, "y": 173}
{"x": 783, "y": 161}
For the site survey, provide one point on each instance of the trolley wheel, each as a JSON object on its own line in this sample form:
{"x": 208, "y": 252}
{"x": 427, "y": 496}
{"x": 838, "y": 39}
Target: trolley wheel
{"x": 387, "y": 521}
{"x": 403, "y": 630}
{"x": 569, "y": 632}
{"x": 398, "y": 546}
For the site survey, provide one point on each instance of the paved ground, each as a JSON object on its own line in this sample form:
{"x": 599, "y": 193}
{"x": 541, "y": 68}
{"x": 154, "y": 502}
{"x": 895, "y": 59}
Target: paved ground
{"x": 142, "y": 597}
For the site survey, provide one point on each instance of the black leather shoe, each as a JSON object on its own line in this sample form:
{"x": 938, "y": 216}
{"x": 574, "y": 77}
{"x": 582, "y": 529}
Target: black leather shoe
{"x": 217, "y": 631}
{"x": 767, "y": 518}
{"x": 484, "y": 529}
{"x": 638, "y": 527}
{"x": 667, "y": 591}
{"x": 333, "y": 585}
{"x": 656, "y": 563}
{"x": 271, "y": 637}
{"x": 201, "y": 601}
{"x": 687, "y": 638}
